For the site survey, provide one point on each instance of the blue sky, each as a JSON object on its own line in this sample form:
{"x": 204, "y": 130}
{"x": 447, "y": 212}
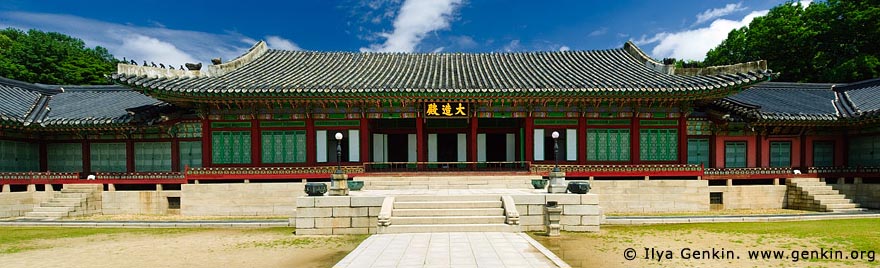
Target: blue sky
{"x": 188, "y": 31}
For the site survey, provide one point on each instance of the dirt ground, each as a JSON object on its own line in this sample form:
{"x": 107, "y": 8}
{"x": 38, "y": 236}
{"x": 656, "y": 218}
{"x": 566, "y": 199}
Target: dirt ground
{"x": 607, "y": 248}
{"x": 204, "y": 248}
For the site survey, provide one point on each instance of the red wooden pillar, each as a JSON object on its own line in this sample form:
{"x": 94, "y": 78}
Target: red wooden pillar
{"x": 421, "y": 154}
{"x": 44, "y": 158}
{"x": 206, "y": 143}
{"x": 582, "y": 140}
{"x": 312, "y": 148}
{"x": 175, "y": 155}
{"x": 530, "y": 141}
{"x": 682, "y": 139}
{"x": 365, "y": 139}
{"x": 634, "y": 140}
{"x": 472, "y": 144}
{"x": 256, "y": 143}
{"x": 129, "y": 159}
{"x": 86, "y": 156}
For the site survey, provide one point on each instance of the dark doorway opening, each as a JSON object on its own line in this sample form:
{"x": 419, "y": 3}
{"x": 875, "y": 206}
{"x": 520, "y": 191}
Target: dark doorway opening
{"x": 398, "y": 147}
{"x": 496, "y": 147}
{"x": 447, "y": 147}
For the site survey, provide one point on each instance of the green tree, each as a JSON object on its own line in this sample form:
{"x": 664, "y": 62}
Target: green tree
{"x": 833, "y": 41}
{"x": 52, "y": 58}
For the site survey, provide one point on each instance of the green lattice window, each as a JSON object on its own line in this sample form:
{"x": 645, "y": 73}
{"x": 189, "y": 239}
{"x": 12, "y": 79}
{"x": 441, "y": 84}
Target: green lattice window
{"x": 864, "y": 151}
{"x": 287, "y": 146}
{"x": 699, "y": 127}
{"x": 108, "y": 157}
{"x": 64, "y": 157}
{"x": 190, "y": 154}
{"x": 823, "y": 154}
{"x": 188, "y": 130}
{"x": 780, "y": 154}
{"x": 152, "y": 156}
{"x": 735, "y": 154}
{"x": 698, "y": 152}
{"x": 608, "y": 144}
{"x": 231, "y": 147}
{"x": 19, "y": 156}
{"x": 658, "y": 144}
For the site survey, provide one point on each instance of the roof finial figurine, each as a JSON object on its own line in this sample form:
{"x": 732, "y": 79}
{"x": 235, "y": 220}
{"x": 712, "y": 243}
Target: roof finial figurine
{"x": 134, "y": 63}
{"x": 161, "y": 65}
{"x": 145, "y": 63}
{"x": 170, "y": 67}
{"x": 153, "y": 64}
{"x": 181, "y": 68}
{"x": 124, "y": 59}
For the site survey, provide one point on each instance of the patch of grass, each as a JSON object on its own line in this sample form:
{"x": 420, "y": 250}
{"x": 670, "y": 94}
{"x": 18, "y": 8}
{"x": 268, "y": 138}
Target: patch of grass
{"x": 308, "y": 242}
{"x": 18, "y": 239}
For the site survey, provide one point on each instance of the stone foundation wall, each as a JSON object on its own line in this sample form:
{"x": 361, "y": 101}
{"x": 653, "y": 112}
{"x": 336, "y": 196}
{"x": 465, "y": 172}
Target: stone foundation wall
{"x": 580, "y": 213}
{"x": 752, "y": 196}
{"x": 138, "y": 202}
{"x": 243, "y": 199}
{"x": 866, "y": 195}
{"x": 652, "y": 195}
{"x": 16, "y": 204}
{"x": 326, "y": 215}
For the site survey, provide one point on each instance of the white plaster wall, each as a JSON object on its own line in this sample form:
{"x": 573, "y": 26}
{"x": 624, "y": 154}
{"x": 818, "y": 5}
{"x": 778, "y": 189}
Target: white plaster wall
{"x": 137, "y": 202}
{"x": 752, "y": 196}
{"x": 242, "y": 199}
{"x": 652, "y": 195}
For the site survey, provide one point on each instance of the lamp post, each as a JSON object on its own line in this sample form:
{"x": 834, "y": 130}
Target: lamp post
{"x": 555, "y": 136}
{"x": 339, "y": 183}
{"x": 338, "y": 152}
{"x": 557, "y": 177}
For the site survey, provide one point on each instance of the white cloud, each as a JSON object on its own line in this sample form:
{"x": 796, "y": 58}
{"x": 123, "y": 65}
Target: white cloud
{"x": 564, "y": 48}
{"x": 599, "y": 32}
{"x": 151, "y": 43}
{"x": 718, "y": 12}
{"x": 281, "y": 43}
{"x": 693, "y": 44}
{"x": 806, "y": 3}
{"x": 512, "y": 46}
{"x": 415, "y": 20}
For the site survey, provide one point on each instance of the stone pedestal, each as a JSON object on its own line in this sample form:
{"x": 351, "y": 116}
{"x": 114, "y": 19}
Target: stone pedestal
{"x": 557, "y": 183}
{"x": 552, "y": 214}
{"x": 339, "y": 184}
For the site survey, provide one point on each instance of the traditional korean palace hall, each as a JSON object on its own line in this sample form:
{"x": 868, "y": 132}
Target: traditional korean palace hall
{"x": 271, "y": 116}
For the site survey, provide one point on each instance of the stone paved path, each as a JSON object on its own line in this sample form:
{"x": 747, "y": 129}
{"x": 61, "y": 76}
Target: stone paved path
{"x": 450, "y": 250}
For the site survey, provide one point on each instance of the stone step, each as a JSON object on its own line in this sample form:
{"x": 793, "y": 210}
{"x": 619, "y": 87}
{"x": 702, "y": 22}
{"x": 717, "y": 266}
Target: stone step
{"x": 53, "y": 214}
{"x": 795, "y": 180}
{"x": 78, "y": 190}
{"x": 815, "y": 188}
{"x": 849, "y": 210}
{"x": 809, "y": 183}
{"x": 821, "y": 197}
{"x": 447, "y": 212}
{"x": 69, "y": 199}
{"x": 832, "y": 207}
{"x": 447, "y": 204}
{"x": 439, "y": 228}
{"x": 833, "y": 201}
{"x": 440, "y": 198}
{"x": 822, "y": 192}
{"x": 448, "y": 220}
{"x": 55, "y": 203}
{"x": 54, "y": 209}
{"x": 72, "y": 195}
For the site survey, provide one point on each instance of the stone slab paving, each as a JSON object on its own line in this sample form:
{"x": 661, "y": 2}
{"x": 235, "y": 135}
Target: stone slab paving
{"x": 637, "y": 220}
{"x": 447, "y": 192}
{"x": 488, "y": 249}
{"x": 149, "y": 224}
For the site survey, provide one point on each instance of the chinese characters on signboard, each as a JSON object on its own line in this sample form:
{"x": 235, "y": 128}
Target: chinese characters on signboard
{"x": 445, "y": 109}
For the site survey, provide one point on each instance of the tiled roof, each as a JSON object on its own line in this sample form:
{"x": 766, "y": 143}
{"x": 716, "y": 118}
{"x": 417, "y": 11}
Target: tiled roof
{"x": 267, "y": 72}
{"x": 863, "y": 97}
{"x": 807, "y": 103}
{"x": 34, "y": 105}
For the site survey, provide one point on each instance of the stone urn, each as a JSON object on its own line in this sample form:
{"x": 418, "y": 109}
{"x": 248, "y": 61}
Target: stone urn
{"x": 579, "y": 187}
{"x": 316, "y": 188}
{"x": 539, "y": 183}
{"x": 355, "y": 185}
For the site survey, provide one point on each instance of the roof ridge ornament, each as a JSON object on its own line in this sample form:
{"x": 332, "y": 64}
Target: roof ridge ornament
{"x": 253, "y": 53}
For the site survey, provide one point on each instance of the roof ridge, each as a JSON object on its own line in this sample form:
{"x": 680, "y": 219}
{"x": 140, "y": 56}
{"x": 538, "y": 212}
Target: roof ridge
{"x": 858, "y": 85}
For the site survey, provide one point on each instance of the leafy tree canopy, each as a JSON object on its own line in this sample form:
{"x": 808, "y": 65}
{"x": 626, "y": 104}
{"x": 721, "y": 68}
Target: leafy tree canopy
{"x": 833, "y": 41}
{"x": 52, "y": 58}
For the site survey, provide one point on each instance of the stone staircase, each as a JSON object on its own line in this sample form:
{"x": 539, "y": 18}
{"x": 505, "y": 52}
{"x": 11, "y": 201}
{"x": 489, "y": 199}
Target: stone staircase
{"x": 814, "y": 195}
{"x": 460, "y": 213}
{"x": 440, "y": 181}
{"x": 72, "y": 200}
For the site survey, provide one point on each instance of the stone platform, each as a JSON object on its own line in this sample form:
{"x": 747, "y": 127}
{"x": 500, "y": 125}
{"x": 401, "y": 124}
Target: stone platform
{"x": 451, "y": 250}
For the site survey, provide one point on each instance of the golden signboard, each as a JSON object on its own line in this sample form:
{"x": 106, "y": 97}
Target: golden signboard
{"x": 446, "y": 110}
